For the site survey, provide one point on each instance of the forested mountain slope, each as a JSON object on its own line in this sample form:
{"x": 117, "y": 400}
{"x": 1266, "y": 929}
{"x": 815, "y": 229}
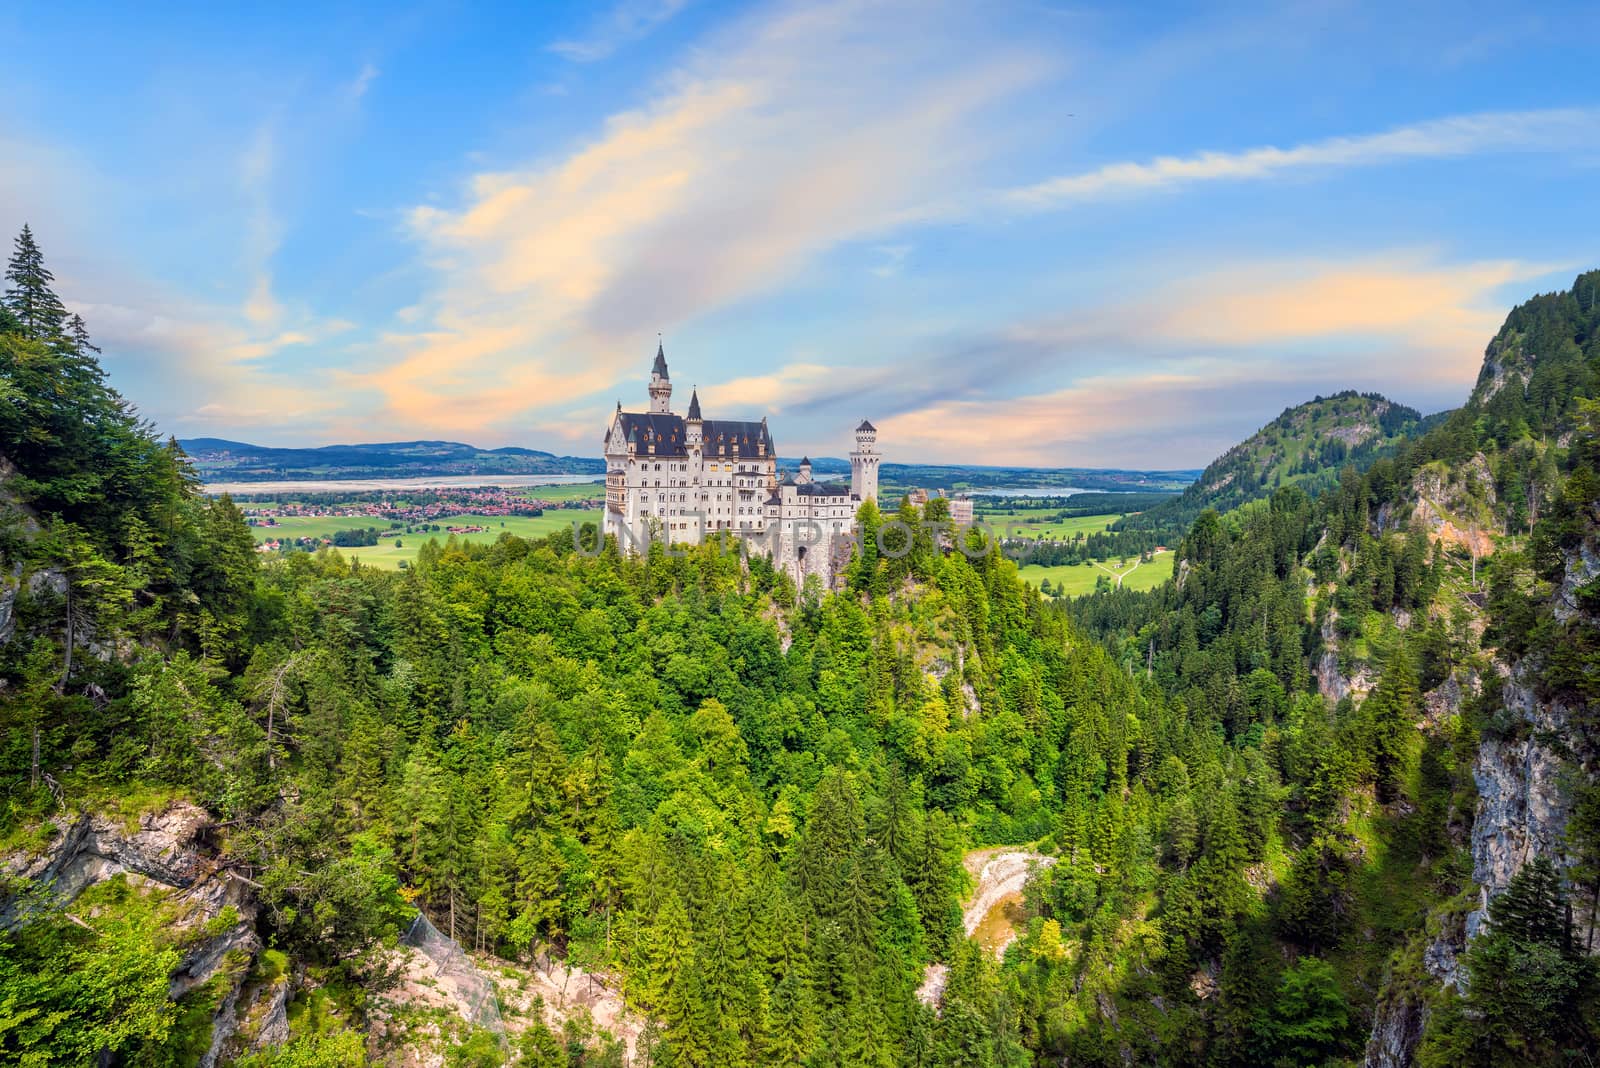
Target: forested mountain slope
{"x": 742, "y": 806}
{"x": 1305, "y": 446}
{"x": 1445, "y": 601}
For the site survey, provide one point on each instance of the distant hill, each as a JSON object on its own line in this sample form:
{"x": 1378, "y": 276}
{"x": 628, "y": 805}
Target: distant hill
{"x": 220, "y": 459}
{"x": 1043, "y": 479}
{"x": 1305, "y": 446}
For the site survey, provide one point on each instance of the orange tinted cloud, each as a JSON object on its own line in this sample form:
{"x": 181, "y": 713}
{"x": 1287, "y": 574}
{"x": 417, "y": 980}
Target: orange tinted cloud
{"x": 781, "y": 138}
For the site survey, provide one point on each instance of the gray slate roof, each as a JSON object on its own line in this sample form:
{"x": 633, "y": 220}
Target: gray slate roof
{"x": 720, "y": 437}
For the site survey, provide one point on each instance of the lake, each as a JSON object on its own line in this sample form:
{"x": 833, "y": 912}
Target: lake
{"x": 369, "y": 485}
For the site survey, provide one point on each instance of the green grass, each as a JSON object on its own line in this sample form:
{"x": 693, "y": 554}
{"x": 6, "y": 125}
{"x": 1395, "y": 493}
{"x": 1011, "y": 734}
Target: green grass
{"x": 296, "y": 526}
{"x": 388, "y": 555}
{"x": 580, "y": 491}
{"x": 1074, "y": 580}
{"x": 1036, "y": 523}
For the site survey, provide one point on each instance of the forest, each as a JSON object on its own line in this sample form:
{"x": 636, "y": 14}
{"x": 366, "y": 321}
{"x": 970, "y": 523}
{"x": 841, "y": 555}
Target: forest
{"x": 748, "y": 802}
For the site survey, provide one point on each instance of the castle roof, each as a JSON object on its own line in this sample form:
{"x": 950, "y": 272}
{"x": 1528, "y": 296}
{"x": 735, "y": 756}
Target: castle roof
{"x": 741, "y": 436}
{"x": 866, "y": 427}
{"x": 660, "y": 367}
{"x": 661, "y": 429}
{"x": 809, "y": 489}
{"x": 720, "y": 437}
{"x": 694, "y": 404}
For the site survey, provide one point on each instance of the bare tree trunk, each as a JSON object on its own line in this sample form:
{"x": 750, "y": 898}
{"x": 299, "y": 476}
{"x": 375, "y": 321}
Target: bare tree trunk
{"x": 272, "y": 759}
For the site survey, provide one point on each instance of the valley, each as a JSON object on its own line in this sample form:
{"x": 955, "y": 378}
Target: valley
{"x": 1308, "y": 773}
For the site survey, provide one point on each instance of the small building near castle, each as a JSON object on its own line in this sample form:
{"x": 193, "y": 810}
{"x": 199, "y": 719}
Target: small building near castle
{"x": 678, "y": 479}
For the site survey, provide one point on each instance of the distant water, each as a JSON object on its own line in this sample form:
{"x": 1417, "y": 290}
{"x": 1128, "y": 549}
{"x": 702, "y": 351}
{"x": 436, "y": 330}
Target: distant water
{"x": 369, "y": 485}
{"x": 1025, "y": 491}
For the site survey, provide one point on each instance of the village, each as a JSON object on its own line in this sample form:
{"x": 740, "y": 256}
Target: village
{"x": 366, "y": 519}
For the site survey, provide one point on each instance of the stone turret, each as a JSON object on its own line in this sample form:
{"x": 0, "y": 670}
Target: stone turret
{"x": 864, "y": 463}
{"x": 693, "y": 425}
{"x": 660, "y": 386}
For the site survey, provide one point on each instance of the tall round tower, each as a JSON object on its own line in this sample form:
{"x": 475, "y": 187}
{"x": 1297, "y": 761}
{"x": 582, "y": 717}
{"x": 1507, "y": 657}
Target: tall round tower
{"x": 864, "y": 463}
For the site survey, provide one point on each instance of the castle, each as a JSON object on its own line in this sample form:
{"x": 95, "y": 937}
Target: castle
{"x": 679, "y": 478}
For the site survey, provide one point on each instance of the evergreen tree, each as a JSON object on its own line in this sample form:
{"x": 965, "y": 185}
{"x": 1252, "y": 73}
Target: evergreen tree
{"x": 28, "y": 296}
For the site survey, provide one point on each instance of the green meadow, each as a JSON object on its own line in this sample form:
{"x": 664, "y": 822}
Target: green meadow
{"x": 1074, "y": 580}
{"x": 389, "y": 555}
{"x": 1035, "y": 523}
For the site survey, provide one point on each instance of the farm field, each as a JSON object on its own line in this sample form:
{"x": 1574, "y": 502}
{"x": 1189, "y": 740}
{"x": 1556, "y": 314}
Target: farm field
{"x": 389, "y": 555}
{"x": 1026, "y": 524}
{"x": 576, "y": 491}
{"x": 1074, "y": 580}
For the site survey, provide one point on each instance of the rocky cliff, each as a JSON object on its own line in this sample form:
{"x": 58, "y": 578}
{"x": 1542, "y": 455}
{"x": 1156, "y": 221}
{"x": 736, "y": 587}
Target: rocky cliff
{"x": 168, "y": 854}
{"x": 1523, "y": 775}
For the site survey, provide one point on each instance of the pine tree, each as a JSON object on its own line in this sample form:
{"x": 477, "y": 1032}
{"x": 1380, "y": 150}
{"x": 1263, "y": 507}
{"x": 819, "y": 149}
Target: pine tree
{"x": 1528, "y": 987}
{"x": 1392, "y": 713}
{"x": 78, "y": 335}
{"x": 29, "y": 296}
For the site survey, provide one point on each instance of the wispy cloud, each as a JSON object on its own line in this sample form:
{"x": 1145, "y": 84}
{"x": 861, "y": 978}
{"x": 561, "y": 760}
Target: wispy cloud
{"x": 1464, "y": 135}
{"x": 629, "y": 21}
{"x": 263, "y": 233}
{"x": 362, "y": 82}
{"x": 788, "y": 134}
{"x": 1200, "y": 362}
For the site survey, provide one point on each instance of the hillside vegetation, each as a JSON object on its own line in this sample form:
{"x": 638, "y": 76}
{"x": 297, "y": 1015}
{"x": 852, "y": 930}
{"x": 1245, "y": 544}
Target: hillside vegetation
{"x": 742, "y": 806}
{"x": 1306, "y": 446}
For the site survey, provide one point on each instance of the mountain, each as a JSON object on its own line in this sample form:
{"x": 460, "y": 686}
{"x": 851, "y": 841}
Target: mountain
{"x": 218, "y": 459}
{"x": 1435, "y": 619}
{"x": 1306, "y": 446}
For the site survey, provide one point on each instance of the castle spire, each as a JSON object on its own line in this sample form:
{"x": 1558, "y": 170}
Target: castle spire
{"x": 660, "y": 385}
{"x": 694, "y": 403}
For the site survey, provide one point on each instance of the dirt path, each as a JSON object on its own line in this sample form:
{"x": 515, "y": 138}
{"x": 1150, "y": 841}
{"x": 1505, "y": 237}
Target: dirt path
{"x": 1120, "y": 575}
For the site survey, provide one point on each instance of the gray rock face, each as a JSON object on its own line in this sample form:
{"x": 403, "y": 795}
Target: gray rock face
{"x": 1332, "y": 682}
{"x": 167, "y": 853}
{"x": 95, "y": 848}
{"x": 1581, "y": 570}
{"x": 1396, "y": 1033}
{"x": 1522, "y": 806}
{"x": 274, "y": 1029}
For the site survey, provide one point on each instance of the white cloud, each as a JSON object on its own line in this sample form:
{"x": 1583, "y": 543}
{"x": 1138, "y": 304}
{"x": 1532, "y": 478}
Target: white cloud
{"x": 363, "y": 81}
{"x": 629, "y": 21}
{"x": 1174, "y": 377}
{"x": 780, "y": 138}
{"x": 1505, "y": 131}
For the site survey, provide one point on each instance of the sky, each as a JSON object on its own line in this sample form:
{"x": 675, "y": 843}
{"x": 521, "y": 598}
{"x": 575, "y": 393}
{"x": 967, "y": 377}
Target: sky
{"x": 1054, "y": 234}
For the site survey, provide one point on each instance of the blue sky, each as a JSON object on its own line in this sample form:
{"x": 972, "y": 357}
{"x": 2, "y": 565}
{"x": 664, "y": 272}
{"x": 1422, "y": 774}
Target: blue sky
{"x": 1059, "y": 234}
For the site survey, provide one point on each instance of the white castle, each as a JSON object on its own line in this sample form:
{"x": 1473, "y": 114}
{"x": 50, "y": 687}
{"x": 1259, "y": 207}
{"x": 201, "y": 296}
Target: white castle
{"x": 679, "y": 478}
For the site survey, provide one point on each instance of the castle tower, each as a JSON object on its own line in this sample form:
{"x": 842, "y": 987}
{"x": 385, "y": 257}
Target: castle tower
{"x": 660, "y": 387}
{"x": 805, "y": 471}
{"x": 864, "y": 464}
{"x": 694, "y": 429}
